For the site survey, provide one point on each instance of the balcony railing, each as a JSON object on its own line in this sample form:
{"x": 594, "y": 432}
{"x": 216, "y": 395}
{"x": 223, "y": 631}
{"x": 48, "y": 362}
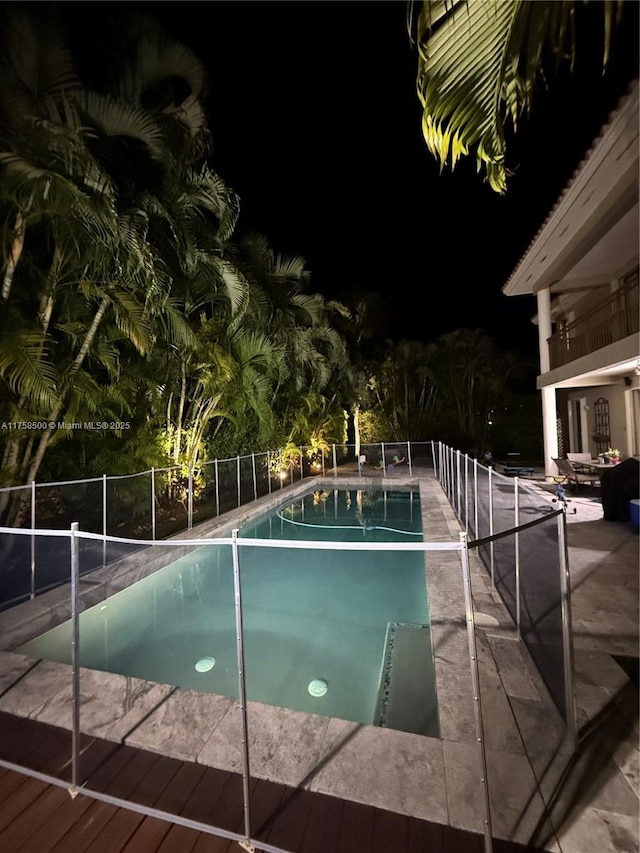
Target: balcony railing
{"x": 611, "y": 320}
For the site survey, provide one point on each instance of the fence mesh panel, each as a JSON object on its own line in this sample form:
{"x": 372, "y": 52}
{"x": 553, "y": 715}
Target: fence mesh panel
{"x": 248, "y": 480}
{"x": 17, "y": 553}
{"x": 227, "y": 484}
{"x": 171, "y": 495}
{"x": 17, "y": 507}
{"x": 525, "y": 568}
{"x": 261, "y": 462}
{"x": 59, "y": 506}
{"x": 541, "y": 606}
{"x": 130, "y": 506}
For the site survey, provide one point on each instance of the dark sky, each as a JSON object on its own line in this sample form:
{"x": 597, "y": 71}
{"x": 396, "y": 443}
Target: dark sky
{"x": 316, "y": 125}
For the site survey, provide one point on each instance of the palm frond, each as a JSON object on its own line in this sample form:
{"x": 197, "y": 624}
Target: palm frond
{"x": 191, "y": 115}
{"x": 131, "y": 318}
{"x": 114, "y": 118}
{"x": 177, "y": 329}
{"x": 292, "y": 267}
{"x": 479, "y": 64}
{"x": 88, "y": 399}
{"x": 34, "y": 54}
{"x": 161, "y": 58}
{"x": 256, "y": 349}
{"x": 235, "y": 284}
{"x": 25, "y": 368}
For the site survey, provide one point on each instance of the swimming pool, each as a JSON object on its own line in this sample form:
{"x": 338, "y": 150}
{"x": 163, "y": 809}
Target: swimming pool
{"x": 339, "y": 633}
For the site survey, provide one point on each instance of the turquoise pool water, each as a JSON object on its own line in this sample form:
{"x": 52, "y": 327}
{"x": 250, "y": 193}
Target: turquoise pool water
{"x": 338, "y": 633}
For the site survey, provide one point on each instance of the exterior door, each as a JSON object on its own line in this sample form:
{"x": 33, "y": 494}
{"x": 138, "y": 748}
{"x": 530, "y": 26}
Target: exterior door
{"x": 578, "y": 432}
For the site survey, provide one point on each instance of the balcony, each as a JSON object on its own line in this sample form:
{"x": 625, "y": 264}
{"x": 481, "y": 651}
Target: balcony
{"x": 611, "y": 320}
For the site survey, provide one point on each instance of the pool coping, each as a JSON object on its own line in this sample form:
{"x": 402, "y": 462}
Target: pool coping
{"x": 438, "y": 779}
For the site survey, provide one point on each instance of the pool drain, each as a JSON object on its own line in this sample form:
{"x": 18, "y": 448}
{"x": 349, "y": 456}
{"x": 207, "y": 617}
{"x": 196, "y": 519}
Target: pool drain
{"x": 205, "y": 664}
{"x": 318, "y": 687}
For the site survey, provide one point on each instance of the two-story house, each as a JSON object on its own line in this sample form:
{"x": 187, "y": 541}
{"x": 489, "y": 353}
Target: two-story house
{"x": 583, "y": 268}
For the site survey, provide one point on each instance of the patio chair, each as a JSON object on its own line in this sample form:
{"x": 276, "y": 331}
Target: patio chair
{"x": 581, "y": 462}
{"x": 569, "y": 474}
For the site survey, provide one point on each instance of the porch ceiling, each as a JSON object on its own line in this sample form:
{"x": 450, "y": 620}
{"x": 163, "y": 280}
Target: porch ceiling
{"x": 610, "y": 374}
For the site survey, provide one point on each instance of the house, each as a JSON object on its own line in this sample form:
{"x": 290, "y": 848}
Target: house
{"x": 582, "y": 267}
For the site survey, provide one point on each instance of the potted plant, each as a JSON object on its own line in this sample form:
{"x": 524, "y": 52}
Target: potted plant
{"x": 611, "y": 456}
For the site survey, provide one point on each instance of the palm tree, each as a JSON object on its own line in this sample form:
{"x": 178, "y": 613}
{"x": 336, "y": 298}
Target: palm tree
{"x": 126, "y": 215}
{"x": 131, "y": 265}
{"x": 479, "y": 62}
{"x": 36, "y": 70}
{"x": 403, "y": 389}
{"x": 56, "y": 204}
{"x": 470, "y": 375}
{"x": 299, "y": 324}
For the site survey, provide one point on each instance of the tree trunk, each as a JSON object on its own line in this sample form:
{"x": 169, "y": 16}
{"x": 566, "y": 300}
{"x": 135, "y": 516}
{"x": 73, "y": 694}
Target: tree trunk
{"x": 356, "y": 428}
{"x": 183, "y": 394}
{"x": 9, "y": 463}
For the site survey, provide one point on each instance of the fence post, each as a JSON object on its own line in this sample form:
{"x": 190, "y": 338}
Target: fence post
{"x": 491, "y": 557}
{"x": 477, "y": 701}
{"x": 104, "y": 520}
{"x": 75, "y": 661}
{"x": 335, "y": 461}
{"x": 190, "y": 501}
{"x": 466, "y": 493}
{"x": 516, "y": 539}
{"x": 444, "y": 463}
{"x": 475, "y": 499}
{"x": 215, "y": 465}
{"x": 33, "y": 539}
{"x": 238, "y": 478}
{"x": 458, "y": 481}
{"x": 255, "y": 478}
{"x": 567, "y": 632}
{"x": 153, "y": 503}
{"x": 409, "y": 458}
{"x": 301, "y": 464}
{"x": 242, "y": 687}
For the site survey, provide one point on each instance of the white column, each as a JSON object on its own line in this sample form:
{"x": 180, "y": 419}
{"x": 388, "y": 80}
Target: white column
{"x": 549, "y": 431}
{"x": 549, "y": 414}
{"x": 544, "y": 327}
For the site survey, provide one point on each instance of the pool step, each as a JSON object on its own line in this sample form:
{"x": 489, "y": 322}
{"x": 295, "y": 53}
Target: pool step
{"x": 407, "y": 694}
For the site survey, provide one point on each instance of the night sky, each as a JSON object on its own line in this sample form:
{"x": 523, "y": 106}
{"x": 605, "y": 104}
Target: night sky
{"x": 316, "y": 125}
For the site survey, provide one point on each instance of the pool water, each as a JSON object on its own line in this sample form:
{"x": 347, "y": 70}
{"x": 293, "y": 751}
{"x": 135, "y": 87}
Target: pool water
{"x": 339, "y": 633}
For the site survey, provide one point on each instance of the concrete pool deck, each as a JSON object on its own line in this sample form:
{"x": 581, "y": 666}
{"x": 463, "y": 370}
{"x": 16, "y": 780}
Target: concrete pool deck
{"x": 435, "y": 779}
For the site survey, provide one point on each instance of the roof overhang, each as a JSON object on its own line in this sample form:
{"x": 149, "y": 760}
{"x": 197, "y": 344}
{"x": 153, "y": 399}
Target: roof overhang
{"x": 592, "y": 234}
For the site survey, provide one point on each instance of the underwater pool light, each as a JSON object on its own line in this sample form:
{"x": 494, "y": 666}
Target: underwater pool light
{"x": 318, "y": 687}
{"x": 205, "y": 664}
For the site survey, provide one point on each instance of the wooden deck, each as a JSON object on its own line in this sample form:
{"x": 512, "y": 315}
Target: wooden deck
{"x": 38, "y": 817}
